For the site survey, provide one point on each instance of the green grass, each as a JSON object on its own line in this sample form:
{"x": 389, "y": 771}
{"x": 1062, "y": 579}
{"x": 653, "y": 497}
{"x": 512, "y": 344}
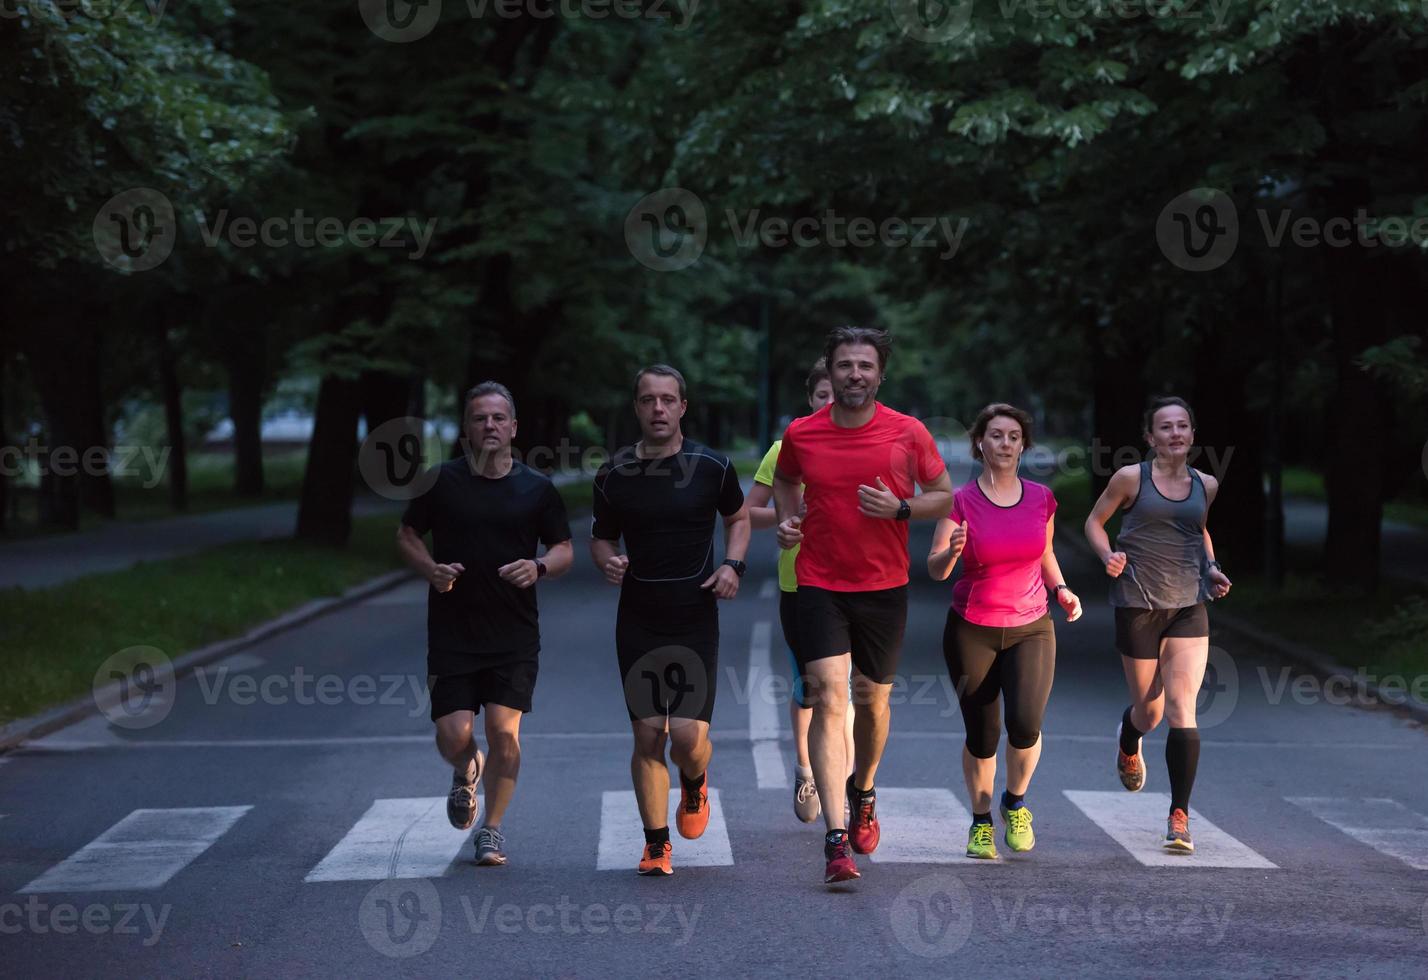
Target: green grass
{"x": 210, "y": 488}
{"x": 56, "y": 638}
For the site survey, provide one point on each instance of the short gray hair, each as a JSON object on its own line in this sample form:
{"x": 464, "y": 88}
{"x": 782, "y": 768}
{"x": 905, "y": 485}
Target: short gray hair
{"x": 664, "y": 370}
{"x": 490, "y": 388}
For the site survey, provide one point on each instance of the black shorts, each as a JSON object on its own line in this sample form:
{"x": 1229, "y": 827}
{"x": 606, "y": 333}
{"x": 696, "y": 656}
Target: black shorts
{"x": 1139, "y": 631}
{"x": 510, "y": 684}
{"x": 870, "y": 625}
{"x": 669, "y": 660}
{"x": 788, "y": 619}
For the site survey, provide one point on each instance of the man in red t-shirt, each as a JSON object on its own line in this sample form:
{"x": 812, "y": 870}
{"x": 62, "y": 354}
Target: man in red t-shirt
{"x": 860, "y": 464}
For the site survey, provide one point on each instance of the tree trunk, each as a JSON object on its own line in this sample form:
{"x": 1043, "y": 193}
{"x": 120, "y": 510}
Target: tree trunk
{"x": 173, "y": 416}
{"x": 246, "y": 379}
{"x": 325, "y": 509}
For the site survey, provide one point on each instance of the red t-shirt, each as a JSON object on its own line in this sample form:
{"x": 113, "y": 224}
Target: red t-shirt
{"x": 843, "y": 551}
{"x": 1001, "y": 582}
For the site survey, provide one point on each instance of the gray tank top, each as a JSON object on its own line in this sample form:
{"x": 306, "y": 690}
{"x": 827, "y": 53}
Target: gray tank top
{"x": 1165, "y": 548}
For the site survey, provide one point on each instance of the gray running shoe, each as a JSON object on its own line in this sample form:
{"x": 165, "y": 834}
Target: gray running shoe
{"x": 805, "y": 799}
{"x": 490, "y": 846}
{"x": 461, "y": 803}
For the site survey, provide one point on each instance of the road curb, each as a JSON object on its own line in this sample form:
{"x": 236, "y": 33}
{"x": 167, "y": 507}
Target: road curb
{"x": 23, "y": 729}
{"x": 1307, "y": 658}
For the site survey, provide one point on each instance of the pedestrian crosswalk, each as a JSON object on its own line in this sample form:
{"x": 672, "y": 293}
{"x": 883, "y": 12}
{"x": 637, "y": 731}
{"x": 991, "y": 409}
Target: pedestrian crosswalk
{"x": 1387, "y": 826}
{"x": 411, "y": 838}
{"x": 142, "y": 851}
{"x": 394, "y": 839}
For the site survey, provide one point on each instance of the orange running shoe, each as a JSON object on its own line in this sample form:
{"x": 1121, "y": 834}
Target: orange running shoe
{"x": 1130, "y": 768}
{"x": 693, "y": 815}
{"x": 655, "y": 860}
{"x": 1177, "y": 832}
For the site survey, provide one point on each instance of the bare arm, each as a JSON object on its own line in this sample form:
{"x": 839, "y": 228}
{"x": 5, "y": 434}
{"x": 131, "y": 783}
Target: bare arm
{"x": 414, "y": 552}
{"x": 762, "y": 513}
{"x": 607, "y": 558}
{"x": 788, "y": 503}
{"x": 1119, "y": 490}
{"x": 523, "y": 572}
{"x": 1219, "y": 581}
{"x": 948, "y": 540}
{"x": 1052, "y": 577}
{"x": 737, "y": 530}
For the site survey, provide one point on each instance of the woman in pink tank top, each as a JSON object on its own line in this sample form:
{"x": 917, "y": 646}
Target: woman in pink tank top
{"x": 999, "y": 639}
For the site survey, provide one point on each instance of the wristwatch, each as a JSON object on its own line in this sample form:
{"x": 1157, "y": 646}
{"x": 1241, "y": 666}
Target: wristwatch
{"x": 1215, "y": 565}
{"x": 904, "y": 510}
{"x": 540, "y": 568}
{"x": 738, "y": 566}
{"x": 1057, "y": 588}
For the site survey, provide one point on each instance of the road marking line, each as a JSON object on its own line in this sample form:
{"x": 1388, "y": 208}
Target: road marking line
{"x": 769, "y": 589}
{"x": 921, "y": 826}
{"x": 1136, "y": 821}
{"x": 622, "y": 836}
{"x": 763, "y": 707}
{"x": 405, "y": 838}
{"x": 1386, "y": 825}
{"x": 144, "y": 850}
{"x": 769, "y": 766}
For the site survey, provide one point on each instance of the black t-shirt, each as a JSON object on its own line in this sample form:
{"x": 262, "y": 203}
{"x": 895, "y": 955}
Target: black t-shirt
{"x": 484, "y": 524}
{"x": 665, "y": 510}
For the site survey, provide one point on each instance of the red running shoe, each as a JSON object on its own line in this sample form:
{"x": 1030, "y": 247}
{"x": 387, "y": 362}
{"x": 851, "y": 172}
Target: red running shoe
{"x": 863, "y": 828}
{"x": 841, "y": 866}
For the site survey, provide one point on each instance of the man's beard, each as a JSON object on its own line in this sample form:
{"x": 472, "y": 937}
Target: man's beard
{"x": 855, "y": 398}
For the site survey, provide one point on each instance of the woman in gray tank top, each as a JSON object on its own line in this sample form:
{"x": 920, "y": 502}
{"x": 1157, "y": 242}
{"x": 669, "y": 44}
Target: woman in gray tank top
{"x": 1163, "y": 570}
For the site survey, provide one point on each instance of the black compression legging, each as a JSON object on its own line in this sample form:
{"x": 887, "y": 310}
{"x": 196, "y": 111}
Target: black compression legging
{"x": 984, "y": 662}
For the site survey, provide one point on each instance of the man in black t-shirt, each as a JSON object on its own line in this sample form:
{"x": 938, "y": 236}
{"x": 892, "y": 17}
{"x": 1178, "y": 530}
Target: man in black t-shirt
{"x": 662, "y": 496}
{"x": 485, "y": 513}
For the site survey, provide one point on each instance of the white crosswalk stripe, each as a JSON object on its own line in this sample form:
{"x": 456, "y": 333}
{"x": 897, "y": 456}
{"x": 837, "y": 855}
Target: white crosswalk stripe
{"x": 142, "y": 851}
{"x": 406, "y": 838}
{"x": 1386, "y": 825}
{"x": 769, "y": 589}
{"x": 622, "y": 835}
{"x": 769, "y": 767}
{"x": 1136, "y": 821}
{"x": 921, "y": 826}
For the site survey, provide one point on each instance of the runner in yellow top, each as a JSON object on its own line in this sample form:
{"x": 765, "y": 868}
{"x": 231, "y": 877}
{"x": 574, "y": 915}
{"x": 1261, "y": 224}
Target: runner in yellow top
{"x": 761, "y": 510}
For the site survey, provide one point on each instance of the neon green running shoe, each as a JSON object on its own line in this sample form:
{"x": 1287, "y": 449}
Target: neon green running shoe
{"x": 1018, "y": 833}
{"x": 981, "y": 842}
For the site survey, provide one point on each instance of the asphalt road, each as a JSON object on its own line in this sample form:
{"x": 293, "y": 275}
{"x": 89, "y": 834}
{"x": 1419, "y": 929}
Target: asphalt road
{"x": 281, "y": 815}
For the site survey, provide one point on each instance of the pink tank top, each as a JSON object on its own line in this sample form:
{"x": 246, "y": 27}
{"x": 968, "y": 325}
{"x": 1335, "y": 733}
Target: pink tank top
{"x": 1001, "y": 582}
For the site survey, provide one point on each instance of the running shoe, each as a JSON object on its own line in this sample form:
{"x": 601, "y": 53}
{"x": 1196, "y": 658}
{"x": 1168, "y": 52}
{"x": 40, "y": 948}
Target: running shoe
{"x": 1177, "y": 832}
{"x": 863, "y": 829}
{"x": 805, "y": 799}
{"x": 1018, "y": 828}
{"x": 981, "y": 842}
{"x": 841, "y": 866}
{"x": 693, "y": 815}
{"x": 461, "y": 803}
{"x": 1131, "y": 768}
{"x": 490, "y": 847}
{"x": 655, "y": 860}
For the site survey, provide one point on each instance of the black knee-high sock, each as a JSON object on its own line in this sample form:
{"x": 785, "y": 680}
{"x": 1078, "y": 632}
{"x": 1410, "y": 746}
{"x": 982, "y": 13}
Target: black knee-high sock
{"x": 1130, "y": 735}
{"x": 1182, "y": 758}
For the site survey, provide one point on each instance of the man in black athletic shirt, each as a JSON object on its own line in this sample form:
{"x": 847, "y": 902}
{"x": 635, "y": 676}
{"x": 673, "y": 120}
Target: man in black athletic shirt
{"x": 485, "y": 513}
{"x": 661, "y": 495}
